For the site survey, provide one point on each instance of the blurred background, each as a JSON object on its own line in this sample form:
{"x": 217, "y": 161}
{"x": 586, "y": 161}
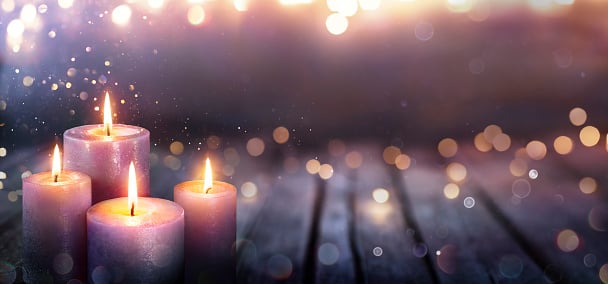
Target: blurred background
{"x": 401, "y": 72}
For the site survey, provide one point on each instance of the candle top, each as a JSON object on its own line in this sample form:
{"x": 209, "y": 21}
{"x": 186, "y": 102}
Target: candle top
{"x": 65, "y": 178}
{"x": 97, "y": 132}
{"x": 195, "y": 187}
{"x": 151, "y": 212}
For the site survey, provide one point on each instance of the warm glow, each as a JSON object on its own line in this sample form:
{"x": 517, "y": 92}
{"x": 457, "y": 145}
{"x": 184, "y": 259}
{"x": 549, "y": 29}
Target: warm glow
{"x": 208, "y": 180}
{"x": 196, "y": 15}
{"x": 107, "y": 115}
{"x": 121, "y": 15}
{"x": 132, "y": 189}
{"x": 380, "y": 195}
{"x": 536, "y": 150}
{"x": 56, "y": 169}
{"x": 336, "y": 24}
{"x": 589, "y": 136}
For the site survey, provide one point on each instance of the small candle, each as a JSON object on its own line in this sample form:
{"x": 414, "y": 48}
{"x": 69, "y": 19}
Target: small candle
{"x": 104, "y": 151}
{"x": 135, "y": 239}
{"x": 54, "y": 224}
{"x": 210, "y": 232}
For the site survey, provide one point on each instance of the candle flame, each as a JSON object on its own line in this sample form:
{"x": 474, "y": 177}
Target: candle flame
{"x": 208, "y": 180}
{"x": 107, "y": 115}
{"x": 56, "y": 169}
{"x": 132, "y": 197}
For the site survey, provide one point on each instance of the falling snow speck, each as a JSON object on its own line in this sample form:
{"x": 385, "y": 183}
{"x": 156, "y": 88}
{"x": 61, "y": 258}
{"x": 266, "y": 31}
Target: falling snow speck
{"x": 533, "y": 174}
{"x": 469, "y": 202}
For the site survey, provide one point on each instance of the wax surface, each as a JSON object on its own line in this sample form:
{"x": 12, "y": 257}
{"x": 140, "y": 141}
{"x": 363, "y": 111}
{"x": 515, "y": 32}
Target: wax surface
{"x": 106, "y": 158}
{"x": 210, "y": 231}
{"x": 145, "y": 248}
{"x": 54, "y": 227}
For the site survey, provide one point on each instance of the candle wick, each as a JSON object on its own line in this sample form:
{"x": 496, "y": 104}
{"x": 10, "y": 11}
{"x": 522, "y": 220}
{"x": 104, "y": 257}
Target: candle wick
{"x": 107, "y": 130}
{"x": 133, "y": 209}
{"x": 207, "y": 190}
{"x": 55, "y": 178}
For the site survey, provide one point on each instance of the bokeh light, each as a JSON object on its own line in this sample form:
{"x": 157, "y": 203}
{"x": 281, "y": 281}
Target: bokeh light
{"x": 403, "y": 161}
{"x": 567, "y": 240}
{"x": 563, "y": 145}
{"x": 336, "y": 24}
{"x": 313, "y": 166}
{"x": 380, "y": 195}
{"x": 326, "y": 171}
{"x": 451, "y": 191}
{"x": 589, "y": 136}
{"x": 447, "y": 147}
{"x": 578, "y": 116}
{"x": 121, "y": 15}
{"x": 456, "y": 172}
{"x": 353, "y": 159}
{"x": 536, "y": 150}
{"x": 587, "y": 185}
{"x": 280, "y": 135}
{"x": 196, "y": 15}
{"x": 481, "y": 143}
{"x": 255, "y": 146}
{"x": 249, "y": 189}
{"x": 390, "y": 153}
{"x": 518, "y": 167}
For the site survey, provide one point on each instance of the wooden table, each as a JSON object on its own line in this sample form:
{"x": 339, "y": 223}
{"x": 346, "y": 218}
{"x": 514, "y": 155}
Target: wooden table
{"x": 300, "y": 228}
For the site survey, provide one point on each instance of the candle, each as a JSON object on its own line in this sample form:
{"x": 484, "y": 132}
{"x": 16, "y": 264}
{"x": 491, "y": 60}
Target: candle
{"x": 135, "y": 239}
{"x": 210, "y": 232}
{"x": 54, "y": 225}
{"x": 104, "y": 151}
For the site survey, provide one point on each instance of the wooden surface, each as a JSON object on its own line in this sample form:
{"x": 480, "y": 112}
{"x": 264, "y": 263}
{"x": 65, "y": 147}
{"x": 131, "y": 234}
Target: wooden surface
{"x": 300, "y": 228}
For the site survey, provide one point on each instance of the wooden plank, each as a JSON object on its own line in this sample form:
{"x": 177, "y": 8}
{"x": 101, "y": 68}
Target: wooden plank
{"x": 546, "y": 206}
{"x": 279, "y": 237}
{"x": 334, "y": 258}
{"x": 384, "y": 241}
{"x": 466, "y": 244}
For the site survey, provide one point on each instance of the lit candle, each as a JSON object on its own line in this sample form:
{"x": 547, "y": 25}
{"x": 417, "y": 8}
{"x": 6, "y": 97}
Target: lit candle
{"x": 103, "y": 151}
{"x": 54, "y": 225}
{"x": 210, "y": 233}
{"x": 135, "y": 239}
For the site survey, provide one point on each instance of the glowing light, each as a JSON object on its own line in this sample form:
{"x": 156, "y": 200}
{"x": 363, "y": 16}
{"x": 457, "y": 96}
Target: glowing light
{"x": 501, "y": 142}
{"x": 369, "y": 5}
{"x": 241, "y": 5}
{"x": 8, "y": 6}
{"x": 563, "y": 145}
{"x": 403, "y": 161}
{"x": 156, "y": 4}
{"x": 15, "y": 28}
{"x": 132, "y": 190}
{"x": 533, "y": 174}
{"x": 196, "y": 15}
{"x": 451, "y": 191}
{"x": 65, "y": 4}
{"x": 28, "y": 81}
{"x": 578, "y": 116}
{"x": 491, "y": 131}
{"x": 353, "y": 159}
{"x": 280, "y": 135}
{"x": 469, "y": 202}
{"x": 447, "y": 147}
{"x": 336, "y": 24}
{"x": 313, "y": 166}
{"x": 518, "y": 167}
{"x": 589, "y": 136}
{"x": 176, "y": 148}
{"x": 481, "y": 144}
{"x": 28, "y": 14}
{"x": 536, "y": 150}
{"x": 390, "y": 153}
{"x": 294, "y": 2}
{"x": 603, "y": 273}
{"x": 457, "y": 172}
{"x": 208, "y": 180}
{"x": 587, "y": 185}
{"x": 326, "y": 171}
{"x": 521, "y": 188}
{"x": 249, "y": 189}
{"x": 567, "y": 240}
{"x": 459, "y": 6}
{"x": 380, "y": 195}
{"x": 56, "y": 169}
{"x": 121, "y": 15}
{"x": 107, "y": 115}
{"x": 255, "y": 147}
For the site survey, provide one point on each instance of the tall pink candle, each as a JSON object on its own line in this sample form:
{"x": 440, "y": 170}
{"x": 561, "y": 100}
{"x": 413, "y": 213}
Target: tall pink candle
{"x": 210, "y": 230}
{"x": 54, "y": 225}
{"x": 104, "y": 152}
{"x": 135, "y": 240}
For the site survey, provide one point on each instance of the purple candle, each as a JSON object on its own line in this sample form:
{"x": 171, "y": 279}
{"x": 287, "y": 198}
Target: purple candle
{"x": 135, "y": 240}
{"x": 104, "y": 152}
{"x": 54, "y": 225}
{"x": 210, "y": 232}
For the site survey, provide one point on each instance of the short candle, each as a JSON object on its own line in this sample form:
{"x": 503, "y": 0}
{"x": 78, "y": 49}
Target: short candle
{"x": 104, "y": 151}
{"x": 135, "y": 239}
{"x": 54, "y": 225}
{"x": 210, "y": 231}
